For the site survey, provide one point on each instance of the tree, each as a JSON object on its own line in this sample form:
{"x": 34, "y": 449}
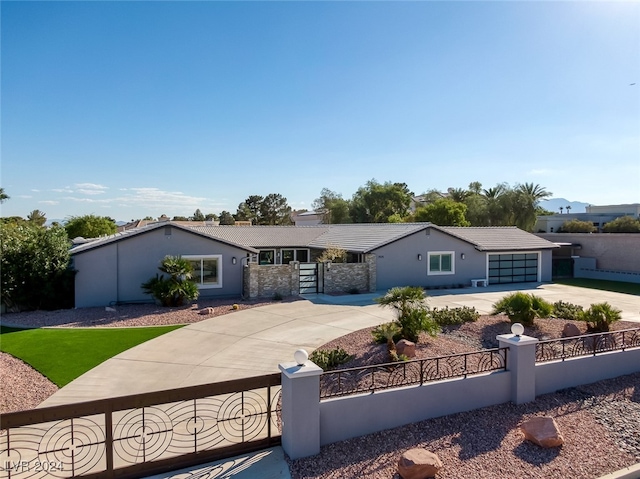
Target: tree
{"x": 210, "y": 217}
{"x": 577, "y": 226}
{"x": 375, "y": 202}
{"x": 37, "y": 217}
{"x": 561, "y": 209}
{"x": 249, "y": 209}
{"x": 35, "y": 263}
{"x": 147, "y": 218}
{"x": 459, "y": 194}
{"x": 90, "y": 226}
{"x": 197, "y": 216}
{"x": 443, "y": 212}
{"x": 274, "y": 210}
{"x": 334, "y": 209}
{"x": 624, "y": 224}
{"x": 3, "y": 196}
{"x": 476, "y": 213}
{"x": 180, "y": 218}
{"x": 226, "y": 218}
{"x": 525, "y": 201}
{"x": 495, "y": 207}
{"x": 412, "y": 313}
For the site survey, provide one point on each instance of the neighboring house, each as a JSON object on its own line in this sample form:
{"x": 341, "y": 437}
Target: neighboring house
{"x": 111, "y": 269}
{"x": 307, "y": 218}
{"x": 597, "y": 215}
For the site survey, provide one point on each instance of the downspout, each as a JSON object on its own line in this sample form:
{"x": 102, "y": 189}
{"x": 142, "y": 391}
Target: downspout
{"x": 117, "y": 272}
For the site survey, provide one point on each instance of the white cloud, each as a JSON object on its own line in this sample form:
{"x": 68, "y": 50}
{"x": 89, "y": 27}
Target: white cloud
{"x": 88, "y": 200}
{"x": 35, "y": 191}
{"x": 90, "y": 189}
{"x": 63, "y": 190}
{"x": 541, "y": 172}
{"x": 49, "y": 202}
{"x": 24, "y": 196}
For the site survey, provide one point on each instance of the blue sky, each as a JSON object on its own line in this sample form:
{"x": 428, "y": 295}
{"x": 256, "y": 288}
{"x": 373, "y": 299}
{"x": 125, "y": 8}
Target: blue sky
{"x": 129, "y": 109}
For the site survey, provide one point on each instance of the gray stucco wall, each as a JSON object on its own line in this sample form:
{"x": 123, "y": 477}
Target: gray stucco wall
{"x": 113, "y": 273}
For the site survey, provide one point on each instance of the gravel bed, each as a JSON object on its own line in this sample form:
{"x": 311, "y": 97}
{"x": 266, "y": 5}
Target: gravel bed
{"x": 600, "y": 422}
{"x": 21, "y": 386}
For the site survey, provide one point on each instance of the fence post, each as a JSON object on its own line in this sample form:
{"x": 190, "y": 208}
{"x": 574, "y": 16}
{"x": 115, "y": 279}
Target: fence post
{"x": 300, "y": 408}
{"x": 521, "y": 361}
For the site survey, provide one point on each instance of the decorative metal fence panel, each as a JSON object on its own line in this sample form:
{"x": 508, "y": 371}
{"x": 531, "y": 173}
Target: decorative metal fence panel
{"x": 367, "y": 379}
{"x": 587, "y": 345}
{"x": 142, "y": 434}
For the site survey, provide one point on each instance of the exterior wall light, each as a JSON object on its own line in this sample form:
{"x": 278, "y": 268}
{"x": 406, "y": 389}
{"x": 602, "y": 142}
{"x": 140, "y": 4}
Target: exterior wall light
{"x": 234, "y": 260}
{"x": 419, "y": 257}
{"x": 517, "y": 329}
{"x": 461, "y": 255}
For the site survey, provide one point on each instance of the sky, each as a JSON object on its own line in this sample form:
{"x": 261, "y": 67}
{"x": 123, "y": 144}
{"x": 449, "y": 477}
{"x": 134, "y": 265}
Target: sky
{"x": 134, "y": 109}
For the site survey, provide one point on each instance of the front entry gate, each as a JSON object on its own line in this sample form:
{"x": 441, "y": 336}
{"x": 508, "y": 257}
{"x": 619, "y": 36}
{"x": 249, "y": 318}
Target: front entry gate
{"x": 311, "y": 280}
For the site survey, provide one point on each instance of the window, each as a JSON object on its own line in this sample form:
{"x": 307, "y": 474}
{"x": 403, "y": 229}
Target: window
{"x": 267, "y": 256}
{"x": 440, "y": 262}
{"x": 289, "y": 255}
{"x": 207, "y": 270}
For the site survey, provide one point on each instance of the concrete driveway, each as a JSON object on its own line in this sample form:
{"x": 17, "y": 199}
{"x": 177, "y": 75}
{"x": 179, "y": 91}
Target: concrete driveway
{"x": 253, "y": 342}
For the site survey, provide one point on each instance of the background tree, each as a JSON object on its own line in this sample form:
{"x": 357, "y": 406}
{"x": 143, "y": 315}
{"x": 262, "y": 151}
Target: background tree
{"x": 525, "y": 200}
{"x": 35, "y": 265}
{"x": 147, "y": 218}
{"x": 476, "y": 213}
{"x": 179, "y": 218}
{"x": 197, "y": 216}
{"x": 443, "y": 212}
{"x": 375, "y": 202}
{"x": 90, "y": 226}
{"x": 249, "y": 209}
{"x": 274, "y": 210}
{"x": 226, "y": 218}
{"x": 624, "y": 224}
{"x": 495, "y": 205}
{"x": 37, "y": 217}
{"x": 3, "y": 196}
{"x": 210, "y": 217}
{"x": 577, "y": 226}
{"x": 334, "y": 209}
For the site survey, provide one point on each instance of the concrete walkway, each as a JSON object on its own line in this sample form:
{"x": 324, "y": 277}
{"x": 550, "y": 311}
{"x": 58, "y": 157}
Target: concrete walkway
{"x": 252, "y": 342}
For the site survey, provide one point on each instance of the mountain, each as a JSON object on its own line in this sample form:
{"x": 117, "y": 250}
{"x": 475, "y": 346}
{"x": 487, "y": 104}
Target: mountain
{"x": 554, "y": 205}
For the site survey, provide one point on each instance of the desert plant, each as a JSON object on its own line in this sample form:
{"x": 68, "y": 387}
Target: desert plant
{"x": 328, "y": 359}
{"x": 178, "y": 287}
{"x": 335, "y": 254}
{"x": 569, "y": 311}
{"x": 447, "y": 316}
{"x": 413, "y": 315}
{"x": 523, "y": 308}
{"x": 387, "y": 333}
{"x": 600, "y": 317}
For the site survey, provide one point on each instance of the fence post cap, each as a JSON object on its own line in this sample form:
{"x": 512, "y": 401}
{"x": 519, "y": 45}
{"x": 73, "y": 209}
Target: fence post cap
{"x": 294, "y": 370}
{"x": 514, "y": 340}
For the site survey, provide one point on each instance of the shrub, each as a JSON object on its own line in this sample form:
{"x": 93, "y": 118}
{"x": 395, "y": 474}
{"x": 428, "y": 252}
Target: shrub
{"x": 330, "y": 358}
{"x": 413, "y": 316}
{"x": 624, "y": 224}
{"x": 569, "y": 311}
{"x": 600, "y": 316}
{"x": 523, "y": 308}
{"x": 448, "y": 316}
{"x": 577, "y": 226}
{"x": 178, "y": 287}
{"x": 235, "y": 306}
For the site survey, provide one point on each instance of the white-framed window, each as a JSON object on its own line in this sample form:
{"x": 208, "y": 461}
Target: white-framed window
{"x": 441, "y": 262}
{"x": 207, "y": 270}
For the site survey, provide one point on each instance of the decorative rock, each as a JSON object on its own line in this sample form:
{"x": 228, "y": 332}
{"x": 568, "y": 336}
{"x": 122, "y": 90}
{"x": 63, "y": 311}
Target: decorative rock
{"x": 207, "y": 311}
{"x": 570, "y": 330}
{"x": 418, "y": 463}
{"x": 110, "y": 309}
{"x": 542, "y": 431}
{"x": 406, "y": 347}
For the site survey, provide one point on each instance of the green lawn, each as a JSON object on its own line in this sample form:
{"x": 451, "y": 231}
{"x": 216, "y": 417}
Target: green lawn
{"x": 615, "y": 286}
{"x": 64, "y": 354}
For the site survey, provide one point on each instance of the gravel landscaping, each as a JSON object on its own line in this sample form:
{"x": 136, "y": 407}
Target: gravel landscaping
{"x": 600, "y": 422}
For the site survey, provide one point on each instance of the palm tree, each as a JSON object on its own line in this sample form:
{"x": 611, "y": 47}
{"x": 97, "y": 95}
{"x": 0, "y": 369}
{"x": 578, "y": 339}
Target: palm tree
{"x": 568, "y": 208}
{"x": 535, "y": 192}
{"x": 459, "y": 194}
{"x": 528, "y": 196}
{"x": 561, "y": 208}
{"x": 494, "y": 206}
{"x": 3, "y": 196}
{"x": 37, "y": 217}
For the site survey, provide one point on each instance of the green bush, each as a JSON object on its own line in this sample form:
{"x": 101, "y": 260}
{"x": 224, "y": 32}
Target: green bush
{"x": 178, "y": 287}
{"x": 387, "y": 333}
{"x": 413, "y": 315}
{"x": 328, "y": 359}
{"x": 600, "y": 317}
{"x": 448, "y": 316}
{"x": 577, "y": 226}
{"x": 569, "y": 311}
{"x": 523, "y": 308}
{"x": 624, "y": 224}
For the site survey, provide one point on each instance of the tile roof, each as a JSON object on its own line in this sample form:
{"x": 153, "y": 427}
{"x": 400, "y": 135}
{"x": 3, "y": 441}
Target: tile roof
{"x": 497, "y": 238}
{"x": 357, "y": 238}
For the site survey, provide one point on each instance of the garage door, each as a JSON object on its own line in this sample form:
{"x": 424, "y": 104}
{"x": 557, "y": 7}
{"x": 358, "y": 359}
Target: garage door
{"x": 513, "y": 268}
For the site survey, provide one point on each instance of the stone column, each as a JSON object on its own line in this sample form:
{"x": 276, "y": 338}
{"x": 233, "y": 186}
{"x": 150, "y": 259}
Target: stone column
{"x": 521, "y": 361}
{"x": 300, "y": 409}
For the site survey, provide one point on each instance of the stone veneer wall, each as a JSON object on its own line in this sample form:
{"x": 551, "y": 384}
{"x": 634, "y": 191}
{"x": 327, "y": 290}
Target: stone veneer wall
{"x": 267, "y": 280}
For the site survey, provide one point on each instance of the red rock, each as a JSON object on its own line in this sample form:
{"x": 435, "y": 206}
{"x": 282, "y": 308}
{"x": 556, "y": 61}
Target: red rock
{"x": 406, "y": 347}
{"x": 542, "y": 431}
{"x": 207, "y": 311}
{"x": 418, "y": 463}
{"x": 570, "y": 330}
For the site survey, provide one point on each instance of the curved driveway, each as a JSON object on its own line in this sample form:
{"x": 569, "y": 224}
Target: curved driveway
{"x": 253, "y": 342}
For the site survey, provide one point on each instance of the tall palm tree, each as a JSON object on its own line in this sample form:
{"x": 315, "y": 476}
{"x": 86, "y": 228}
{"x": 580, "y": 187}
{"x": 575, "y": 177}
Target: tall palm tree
{"x": 494, "y": 205}
{"x": 561, "y": 209}
{"x": 3, "y": 196}
{"x": 528, "y": 197}
{"x": 568, "y": 208}
{"x": 37, "y": 217}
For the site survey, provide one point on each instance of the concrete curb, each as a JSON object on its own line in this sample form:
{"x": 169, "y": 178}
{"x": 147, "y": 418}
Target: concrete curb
{"x": 631, "y": 472}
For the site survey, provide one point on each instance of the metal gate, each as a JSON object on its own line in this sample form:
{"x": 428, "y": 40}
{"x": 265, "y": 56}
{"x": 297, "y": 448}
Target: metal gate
{"x": 311, "y": 280}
